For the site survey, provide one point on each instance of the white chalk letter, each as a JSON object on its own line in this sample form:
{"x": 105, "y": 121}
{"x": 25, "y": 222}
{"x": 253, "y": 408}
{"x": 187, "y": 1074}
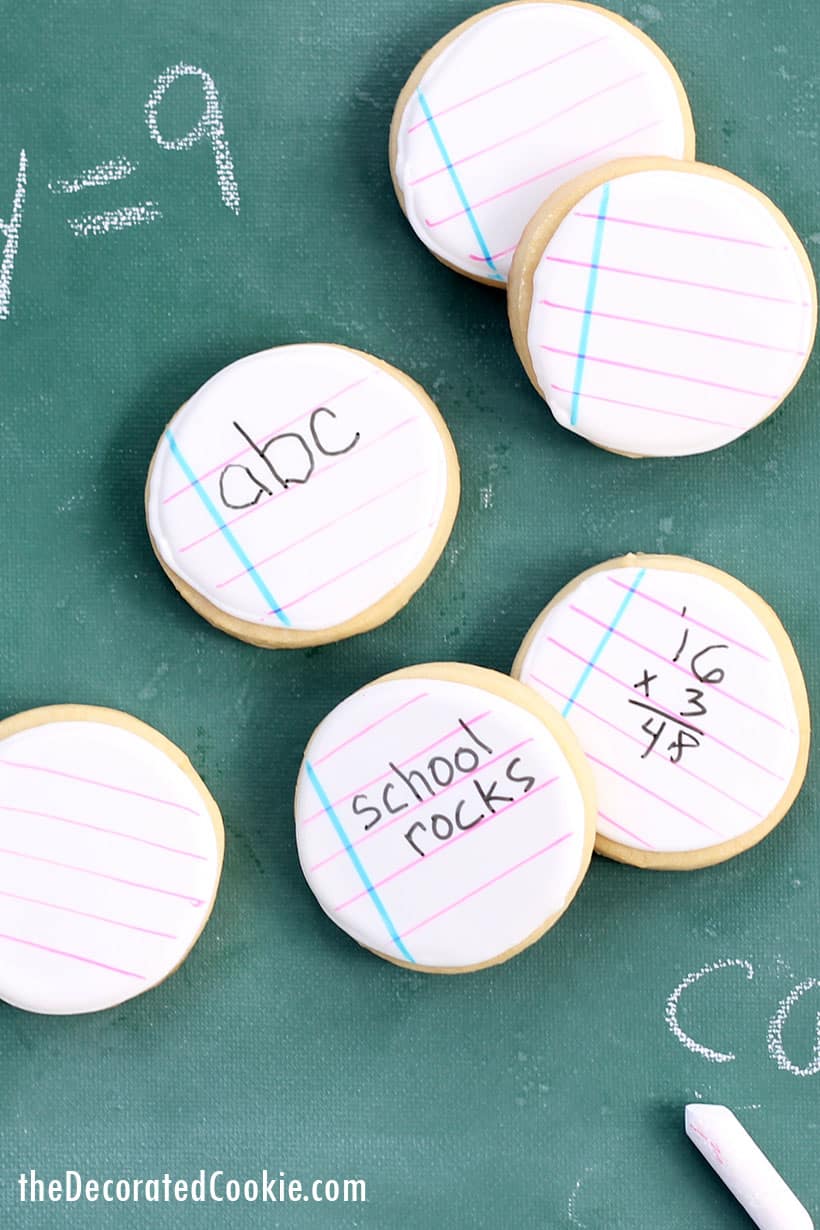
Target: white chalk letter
{"x": 776, "y": 1024}
{"x": 11, "y": 230}
{"x": 674, "y": 1000}
{"x": 210, "y": 126}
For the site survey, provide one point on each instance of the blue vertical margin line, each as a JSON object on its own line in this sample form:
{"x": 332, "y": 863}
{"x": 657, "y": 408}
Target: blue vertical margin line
{"x": 619, "y": 614}
{"x": 592, "y": 285}
{"x": 321, "y": 794}
{"x": 230, "y": 537}
{"x": 462, "y": 195}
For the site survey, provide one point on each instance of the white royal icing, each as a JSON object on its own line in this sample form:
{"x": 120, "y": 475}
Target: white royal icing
{"x": 434, "y": 884}
{"x": 605, "y": 656}
{"x": 688, "y": 304}
{"x": 108, "y": 865}
{"x": 523, "y": 100}
{"x": 366, "y": 474}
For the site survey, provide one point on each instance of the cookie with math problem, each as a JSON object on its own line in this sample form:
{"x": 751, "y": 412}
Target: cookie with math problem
{"x": 688, "y": 700}
{"x": 302, "y": 495}
{"x": 661, "y": 308}
{"x": 510, "y": 105}
{"x": 111, "y": 857}
{"x": 445, "y": 817}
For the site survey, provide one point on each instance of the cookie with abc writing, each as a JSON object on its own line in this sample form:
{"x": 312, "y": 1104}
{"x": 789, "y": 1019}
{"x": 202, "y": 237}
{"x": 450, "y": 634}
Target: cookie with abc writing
{"x": 302, "y": 495}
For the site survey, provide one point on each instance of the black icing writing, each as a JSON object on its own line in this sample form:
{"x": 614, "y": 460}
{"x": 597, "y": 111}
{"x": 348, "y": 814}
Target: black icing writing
{"x": 284, "y": 460}
{"x": 483, "y": 792}
{"x": 661, "y": 720}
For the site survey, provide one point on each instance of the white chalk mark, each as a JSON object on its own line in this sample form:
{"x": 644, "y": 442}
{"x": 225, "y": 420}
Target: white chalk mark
{"x": 95, "y": 177}
{"x": 775, "y": 1034}
{"x": 573, "y": 1201}
{"x": 114, "y": 219}
{"x": 210, "y": 125}
{"x": 11, "y": 230}
{"x": 745, "y": 1169}
{"x": 674, "y": 1000}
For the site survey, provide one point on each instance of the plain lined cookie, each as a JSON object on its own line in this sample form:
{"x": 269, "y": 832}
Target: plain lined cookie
{"x": 444, "y": 817}
{"x": 688, "y": 700}
{"x": 110, "y": 857}
{"x": 510, "y": 105}
{"x": 662, "y": 308}
{"x": 302, "y": 495}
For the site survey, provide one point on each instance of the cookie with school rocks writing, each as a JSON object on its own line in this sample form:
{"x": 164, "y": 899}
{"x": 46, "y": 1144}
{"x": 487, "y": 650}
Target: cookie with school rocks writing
{"x": 302, "y": 495}
{"x": 510, "y": 105}
{"x": 687, "y": 698}
{"x": 444, "y": 817}
{"x": 661, "y": 308}
{"x": 110, "y": 857}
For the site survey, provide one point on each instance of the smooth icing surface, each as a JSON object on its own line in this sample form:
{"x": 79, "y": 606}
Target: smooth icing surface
{"x": 108, "y": 865}
{"x": 522, "y": 100}
{"x": 298, "y": 487}
{"x": 680, "y": 700}
{"x": 487, "y": 836}
{"x": 688, "y": 304}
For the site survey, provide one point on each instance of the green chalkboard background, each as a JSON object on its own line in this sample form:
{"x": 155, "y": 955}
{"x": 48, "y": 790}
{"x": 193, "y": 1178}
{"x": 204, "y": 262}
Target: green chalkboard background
{"x": 545, "y": 1093}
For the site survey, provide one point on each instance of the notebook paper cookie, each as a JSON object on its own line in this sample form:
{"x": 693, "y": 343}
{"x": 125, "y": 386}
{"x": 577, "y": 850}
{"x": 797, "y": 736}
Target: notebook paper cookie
{"x": 687, "y": 698}
{"x": 662, "y": 308}
{"x": 110, "y": 857}
{"x": 445, "y": 817}
{"x": 302, "y": 495}
{"x": 513, "y": 103}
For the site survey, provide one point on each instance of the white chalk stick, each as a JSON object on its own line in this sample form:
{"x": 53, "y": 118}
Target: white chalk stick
{"x": 745, "y": 1169}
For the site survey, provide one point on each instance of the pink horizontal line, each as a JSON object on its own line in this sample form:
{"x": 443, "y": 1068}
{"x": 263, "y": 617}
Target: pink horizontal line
{"x": 72, "y": 956}
{"x": 102, "y": 875}
{"x": 495, "y": 256}
{"x": 89, "y": 781}
{"x": 286, "y": 606}
{"x": 622, "y": 683}
{"x": 432, "y": 801}
{"x": 499, "y": 85}
{"x": 677, "y": 666}
{"x": 322, "y": 528}
{"x": 653, "y": 795}
{"x": 689, "y": 618}
{"x": 501, "y": 875}
{"x": 371, "y": 726}
{"x": 679, "y": 766}
{"x": 524, "y": 183}
{"x": 624, "y": 829}
{"x": 445, "y": 845}
{"x": 657, "y": 324}
{"x": 263, "y": 504}
{"x": 674, "y": 230}
{"x": 524, "y": 132}
{"x": 654, "y": 371}
{"x": 67, "y": 909}
{"x": 664, "y": 277}
{"x": 632, "y": 405}
{"x": 97, "y": 828}
{"x": 262, "y": 439}
{"x": 413, "y": 756}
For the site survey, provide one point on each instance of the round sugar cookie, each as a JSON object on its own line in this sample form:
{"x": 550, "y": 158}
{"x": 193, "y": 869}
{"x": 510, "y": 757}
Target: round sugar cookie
{"x": 302, "y": 495}
{"x": 445, "y": 817}
{"x": 510, "y": 105}
{"x": 661, "y": 308}
{"x": 110, "y": 857}
{"x": 687, "y": 698}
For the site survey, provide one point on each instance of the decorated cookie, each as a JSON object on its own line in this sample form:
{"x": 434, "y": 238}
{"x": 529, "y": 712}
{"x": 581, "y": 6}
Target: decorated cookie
{"x": 687, "y": 698}
{"x": 513, "y": 103}
{"x": 444, "y": 817}
{"x": 110, "y": 857}
{"x": 661, "y": 308}
{"x": 302, "y": 495}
